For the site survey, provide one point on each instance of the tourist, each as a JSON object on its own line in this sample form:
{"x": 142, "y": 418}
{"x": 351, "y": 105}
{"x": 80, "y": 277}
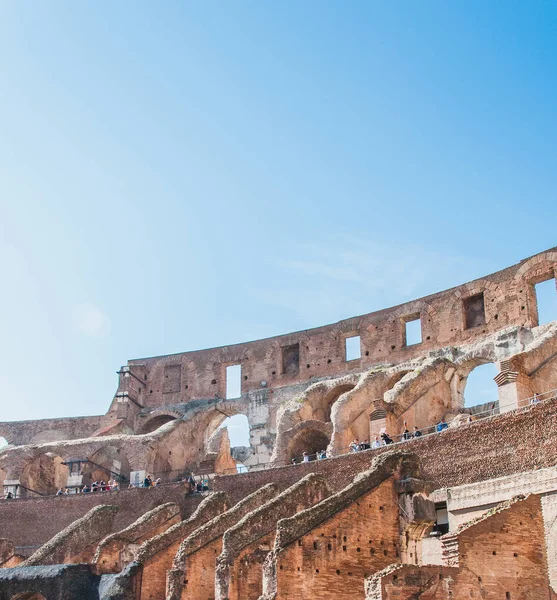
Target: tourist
{"x": 405, "y": 435}
{"x": 365, "y": 445}
{"x": 355, "y": 445}
{"x": 60, "y": 492}
{"x": 376, "y": 443}
{"x": 305, "y": 456}
{"x": 386, "y": 438}
{"x": 86, "y": 489}
{"x": 9, "y": 496}
{"x": 322, "y": 455}
{"x": 157, "y": 482}
{"x": 441, "y": 425}
{"x": 535, "y": 399}
{"x": 417, "y": 432}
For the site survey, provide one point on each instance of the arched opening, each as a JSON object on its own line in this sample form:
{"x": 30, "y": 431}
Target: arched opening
{"x": 238, "y": 430}
{"x": 479, "y": 386}
{"x": 105, "y": 464}
{"x": 395, "y": 379}
{"x": 29, "y": 596}
{"x": 44, "y": 475}
{"x": 239, "y": 435}
{"x": 310, "y": 441}
{"x": 156, "y": 422}
{"x": 323, "y": 412}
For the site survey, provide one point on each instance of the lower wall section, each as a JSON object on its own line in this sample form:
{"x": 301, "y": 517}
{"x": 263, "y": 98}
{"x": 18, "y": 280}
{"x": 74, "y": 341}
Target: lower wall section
{"x": 473, "y": 452}
{"x": 334, "y": 559}
{"x": 31, "y": 522}
{"x": 57, "y": 582}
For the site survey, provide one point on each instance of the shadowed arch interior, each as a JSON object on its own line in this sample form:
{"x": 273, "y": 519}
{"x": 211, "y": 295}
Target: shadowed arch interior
{"x": 156, "y": 422}
{"x": 308, "y": 440}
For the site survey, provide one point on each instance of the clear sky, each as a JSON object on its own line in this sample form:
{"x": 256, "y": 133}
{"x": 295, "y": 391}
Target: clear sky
{"x": 182, "y": 175}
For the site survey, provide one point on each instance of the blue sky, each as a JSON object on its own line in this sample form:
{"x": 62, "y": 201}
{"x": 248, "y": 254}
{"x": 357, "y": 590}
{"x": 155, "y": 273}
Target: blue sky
{"x": 184, "y": 175}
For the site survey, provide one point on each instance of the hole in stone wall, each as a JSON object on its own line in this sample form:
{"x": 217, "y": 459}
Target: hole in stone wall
{"x": 474, "y": 311}
{"x": 546, "y": 298}
{"x": 480, "y": 387}
{"x": 352, "y": 348}
{"x": 233, "y": 381}
{"x": 291, "y": 359}
{"x": 412, "y": 332}
{"x": 238, "y": 430}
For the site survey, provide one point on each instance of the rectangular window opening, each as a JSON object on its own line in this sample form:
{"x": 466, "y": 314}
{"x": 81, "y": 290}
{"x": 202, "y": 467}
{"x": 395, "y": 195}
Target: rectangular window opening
{"x": 291, "y": 359}
{"x": 474, "y": 311}
{"x": 442, "y": 518}
{"x": 352, "y": 348}
{"x": 233, "y": 381}
{"x": 546, "y": 299}
{"x": 413, "y": 332}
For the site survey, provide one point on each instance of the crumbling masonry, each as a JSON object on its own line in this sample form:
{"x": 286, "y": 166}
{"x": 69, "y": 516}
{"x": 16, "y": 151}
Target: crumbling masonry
{"x": 468, "y": 512}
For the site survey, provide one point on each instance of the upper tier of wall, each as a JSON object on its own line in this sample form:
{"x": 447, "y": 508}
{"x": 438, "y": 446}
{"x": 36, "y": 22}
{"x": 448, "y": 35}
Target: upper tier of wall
{"x": 457, "y": 316}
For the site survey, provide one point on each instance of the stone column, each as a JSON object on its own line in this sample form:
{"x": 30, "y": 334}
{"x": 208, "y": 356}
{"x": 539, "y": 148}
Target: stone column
{"x": 514, "y": 387}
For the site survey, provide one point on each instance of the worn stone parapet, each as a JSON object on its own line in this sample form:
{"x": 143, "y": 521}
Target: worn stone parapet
{"x": 254, "y": 527}
{"x": 382, "y": 467}
{"x": 206, "y": 535}
{"x": 154, "y": 522}
{"x": 54, "y": 582}
{"x": 157, "y": 553}
{"x": 77, "y": 542}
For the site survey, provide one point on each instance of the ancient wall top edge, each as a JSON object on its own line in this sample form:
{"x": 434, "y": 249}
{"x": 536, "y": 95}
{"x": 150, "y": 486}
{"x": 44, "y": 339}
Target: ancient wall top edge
{"x": 505, "y": 273}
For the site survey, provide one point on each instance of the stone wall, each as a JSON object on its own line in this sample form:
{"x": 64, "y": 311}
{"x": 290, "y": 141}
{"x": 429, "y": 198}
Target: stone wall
{"x": 500, "y": 555}
{"x": 77, "y": 542}
{"x": 245, "y": 545}
{"x": 192, "y": 576}
{"x": 55, "y": 582}
{"x": 515, "y": 442}
{"x": 31, "y": 522}
{"x": 50, "y": 430}
{"x": 507, "y": 298}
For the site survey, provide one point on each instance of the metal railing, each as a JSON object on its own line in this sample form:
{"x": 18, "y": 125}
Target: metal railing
{"x": 402, "y": 437}
{"x": 206, "y": 479}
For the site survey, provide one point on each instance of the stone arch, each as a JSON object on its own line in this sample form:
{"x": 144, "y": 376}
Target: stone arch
{"x": 322, "y": 411}
{"x": 44, "y": 474}
{"x": 461, "y": 378}
{"x": 108, "y": 462}
{"x": 46, "y": 436}
{"x": 535, "y": 262}
{"x": 396, "y": 377}
{"x": 310, "y": 437}
{"x": 158, "y": 420}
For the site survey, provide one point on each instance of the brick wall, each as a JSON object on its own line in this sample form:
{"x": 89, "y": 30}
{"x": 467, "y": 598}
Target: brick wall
{"x": 333, "y": 559}
{"x": 508, "y": 299}
{"x": 503, "y": 445}
{"x": 33, "y": 521}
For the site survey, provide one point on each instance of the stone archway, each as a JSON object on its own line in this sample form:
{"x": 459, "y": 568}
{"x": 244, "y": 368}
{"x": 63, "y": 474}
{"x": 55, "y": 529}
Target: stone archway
{"x": 322, "y": 411}
{"x": 309, "y": 438}
{"x": 155, "y": 422}
{"x": 44, "y": 475}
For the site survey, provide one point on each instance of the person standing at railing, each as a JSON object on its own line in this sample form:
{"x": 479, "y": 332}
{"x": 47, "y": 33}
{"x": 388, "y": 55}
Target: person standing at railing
{"x": 376, "y": 443}
{"x": 417, "y": 433}
{"x": 386, "y": 438}
{"x": 305, "y": 457}
{"x": 535, "y": 398}
{"x": 441, "y": 425}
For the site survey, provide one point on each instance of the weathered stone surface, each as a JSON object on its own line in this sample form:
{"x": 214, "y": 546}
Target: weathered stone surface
{"x": 78, "y": 542}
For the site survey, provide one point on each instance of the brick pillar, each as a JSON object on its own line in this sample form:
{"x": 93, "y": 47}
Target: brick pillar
{"x": 514, "y": 387}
